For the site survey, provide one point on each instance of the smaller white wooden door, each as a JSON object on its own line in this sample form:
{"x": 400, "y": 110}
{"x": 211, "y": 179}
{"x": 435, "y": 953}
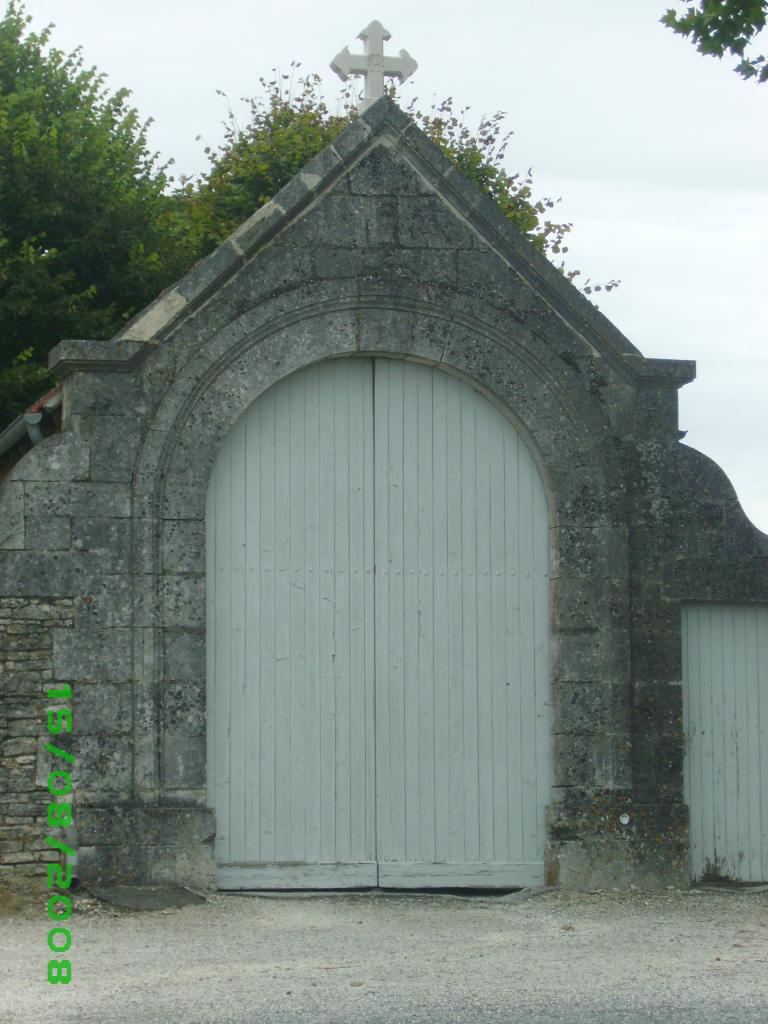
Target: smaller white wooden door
{"x": 725, "y": 707}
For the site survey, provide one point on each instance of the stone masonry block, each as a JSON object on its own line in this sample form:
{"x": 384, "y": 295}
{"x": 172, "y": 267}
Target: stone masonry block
{"x": 105, "y": 601}
{"x": 183, "y": 546}
{"x": 48, "y": 533}
{"x": 86, "y": 499}
{"x": 59, "y": 457}
{"x": 184, "y": 655}
{"x": 114, "y": 443}
{"x": 12, "y": 516}
{"x": 183, "y": 600}
{"x": 383, "y": 172}
{"x": 93, "y": 655}
{"x": 592, "y": 603}
{"x": 427, "y": 221}
{"x": 110, "y": 539}
{"x": 103, "y": 708}
{"x": 183, "y": 759}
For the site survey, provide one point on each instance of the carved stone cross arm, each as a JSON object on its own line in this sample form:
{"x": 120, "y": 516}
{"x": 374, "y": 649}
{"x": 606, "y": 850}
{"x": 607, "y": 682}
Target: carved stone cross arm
{"x": 373, "y": 65}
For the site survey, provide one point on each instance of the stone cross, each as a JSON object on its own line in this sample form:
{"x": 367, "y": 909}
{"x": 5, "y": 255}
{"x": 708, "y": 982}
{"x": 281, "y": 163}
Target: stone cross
{"x": 373, "y": 65}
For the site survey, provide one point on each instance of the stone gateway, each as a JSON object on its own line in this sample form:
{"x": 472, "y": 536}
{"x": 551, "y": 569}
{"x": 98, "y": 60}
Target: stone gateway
{"x": 373, "y": 557}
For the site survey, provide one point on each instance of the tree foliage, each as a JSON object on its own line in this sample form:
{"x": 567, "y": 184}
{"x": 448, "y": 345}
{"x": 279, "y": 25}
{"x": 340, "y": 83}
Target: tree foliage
{"x": 86, "y": 227}
{"x": 718, "y": 27}
{"x": 92, "y": 227}
{"x": 290, "y": 122}
{"x": 287, "y": 126}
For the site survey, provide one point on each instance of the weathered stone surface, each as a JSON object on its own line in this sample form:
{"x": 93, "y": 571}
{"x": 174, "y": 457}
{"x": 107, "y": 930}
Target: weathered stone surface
{"x": 48, "y": 533}
{"x": 59, "y": 457}
{"x": 113, "y": 443}
{"x": 92, "y": 655}
{"x": 145, "y": 897}
{"x": 12, "y": 524}
{"x": 184, "y": 656}
{"x": 105, "y": 708}
{"x": 383, "y": 172}
{"x": 86, "y": 499}
{"x": 105, "y": 601}
{"x": 25, "y": 635}
{"x": 183, "y": 546}
{"x": 110, "y": 539}
{"x": 380, "y": 247}
{"x": 183, "y": 759}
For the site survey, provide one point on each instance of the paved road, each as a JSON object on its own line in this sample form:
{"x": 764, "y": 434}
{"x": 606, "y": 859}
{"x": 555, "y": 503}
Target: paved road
{"x": 372, "y": 959}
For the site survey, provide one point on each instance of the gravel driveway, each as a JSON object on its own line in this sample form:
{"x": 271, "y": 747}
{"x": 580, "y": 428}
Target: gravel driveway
{"x": 697, "y": 957}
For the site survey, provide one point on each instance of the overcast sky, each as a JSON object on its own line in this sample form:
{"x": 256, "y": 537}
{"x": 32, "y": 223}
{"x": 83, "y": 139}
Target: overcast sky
{"x": 659, "y": 154}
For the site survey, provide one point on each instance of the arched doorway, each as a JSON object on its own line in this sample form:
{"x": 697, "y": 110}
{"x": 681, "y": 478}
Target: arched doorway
{"x": 378, "y": 682}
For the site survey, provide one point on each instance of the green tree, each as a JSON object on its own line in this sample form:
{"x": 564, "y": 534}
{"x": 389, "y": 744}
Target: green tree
{"x": 290, "y": 122}
{"x": 92, "y": 228}
{"x": 88, "y": 234}
{"x": 718, "y": 27}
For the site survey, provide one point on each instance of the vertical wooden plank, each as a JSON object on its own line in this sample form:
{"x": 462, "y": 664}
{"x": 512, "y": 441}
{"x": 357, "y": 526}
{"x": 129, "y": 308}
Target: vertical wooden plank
{"x": 498, "y": 647}
{"x": 221, "y": 669}
{"x": 487, "y": 682}
{"x": 759, "y": 777}
{"x": 756, "y": 755}
{"x": 528, "y": 645}
{"x": 441, "y": 513}
{"x": 690, "y": 762}
{"x": 327, "y": 648}
{"x": 340, "y": 607}
{"x": 360, "y": 680}
{"x": 424, "y": 621}
{"x": 389, "y": 538}
{"x": 408, "y": 379}
{"x": 282, "y": 659}
{"x": 253, "y": 600}
{"x": 267, "y": 654}
{"x": 468, "y": 578}
{"x": 539, "y": 596}
{"x": 514, "y": 645}
{"x": 313, "y": 503}
{"x": 721, "y": 725}
{"x": 295, "y": 574}
{"x": 738, "y": 739}
{"x": 237, "y": 668}
{"x": 396, "y": 666}
{"x": 211, "y": 634}
{"x": 455, "y": 622}
{"x": 367, "y": 457}
{"x": 383, "y": 712}
{"x": 708, "y": 721}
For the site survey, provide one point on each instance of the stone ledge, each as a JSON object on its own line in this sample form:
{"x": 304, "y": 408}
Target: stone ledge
{"x": 117, "y": 356}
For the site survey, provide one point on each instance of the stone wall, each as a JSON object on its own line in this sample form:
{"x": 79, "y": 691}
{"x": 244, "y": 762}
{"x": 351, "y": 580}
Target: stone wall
{"x": 379, "y": 247}
{"x": 27, "y": 627}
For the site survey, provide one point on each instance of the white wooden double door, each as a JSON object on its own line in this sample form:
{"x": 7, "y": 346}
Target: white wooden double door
{"x": 377, "y": 544}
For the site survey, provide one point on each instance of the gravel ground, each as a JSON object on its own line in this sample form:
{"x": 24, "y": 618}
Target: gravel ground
{"x": 604, "y": 957}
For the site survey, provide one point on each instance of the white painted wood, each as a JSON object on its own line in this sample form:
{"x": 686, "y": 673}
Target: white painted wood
{"x": 462, "y": 680}
{"x": 297, "y": 876}
{"x": 725, "y": 706}
{"x": 440, "y": 771}
{"x": 290, "y": 611}
{"x": 469, "y": 875}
